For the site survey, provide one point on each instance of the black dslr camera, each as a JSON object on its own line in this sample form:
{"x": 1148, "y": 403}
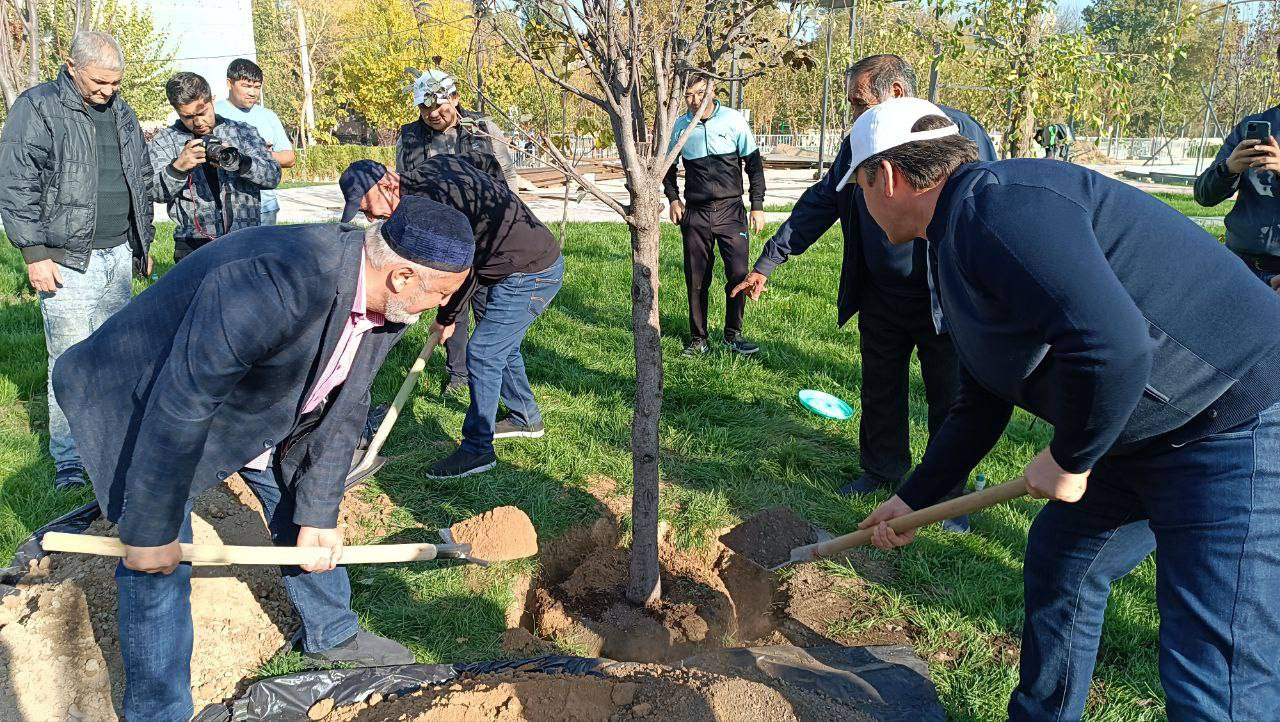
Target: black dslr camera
{"x": 220, "y": 154}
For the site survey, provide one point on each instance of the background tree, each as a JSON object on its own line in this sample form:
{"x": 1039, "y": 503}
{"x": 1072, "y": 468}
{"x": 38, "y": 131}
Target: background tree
{"x": 20, "y": 47}
{"x": 148, "y": 61}
{"x": 633, "y": 58}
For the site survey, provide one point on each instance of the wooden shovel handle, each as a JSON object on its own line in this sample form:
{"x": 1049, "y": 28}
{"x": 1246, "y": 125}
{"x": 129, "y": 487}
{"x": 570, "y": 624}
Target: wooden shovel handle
{"x": 406, "y": 388}
{"x": 218, "y": 554}
{"x": 951, "y": 508}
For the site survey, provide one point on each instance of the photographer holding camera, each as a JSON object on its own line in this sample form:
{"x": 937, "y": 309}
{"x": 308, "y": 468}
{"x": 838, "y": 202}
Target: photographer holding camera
{"x": 210, "y": 170}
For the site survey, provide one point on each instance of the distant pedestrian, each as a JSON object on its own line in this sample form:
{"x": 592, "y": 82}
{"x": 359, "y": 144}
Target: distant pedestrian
{"x": 714, "y": 157}
{"x": 75, "y": 197}
{"x": 244, "y": 103}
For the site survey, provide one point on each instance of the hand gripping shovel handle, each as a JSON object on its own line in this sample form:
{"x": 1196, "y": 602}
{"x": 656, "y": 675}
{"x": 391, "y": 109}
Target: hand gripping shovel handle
{"x": 218, "y": 554}
{"x": 959, "y": 506}
{"x": 371, "y": 458}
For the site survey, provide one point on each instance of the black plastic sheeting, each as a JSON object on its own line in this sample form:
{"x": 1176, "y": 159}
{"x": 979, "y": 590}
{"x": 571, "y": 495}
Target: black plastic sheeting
{"x": 288, "y": 698}
{"x": 73, "y": 522}
{"x": 886, "y": 684}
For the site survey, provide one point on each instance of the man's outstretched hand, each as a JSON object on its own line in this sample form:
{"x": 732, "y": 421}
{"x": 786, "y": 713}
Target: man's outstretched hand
{"x": 753, "y": 284}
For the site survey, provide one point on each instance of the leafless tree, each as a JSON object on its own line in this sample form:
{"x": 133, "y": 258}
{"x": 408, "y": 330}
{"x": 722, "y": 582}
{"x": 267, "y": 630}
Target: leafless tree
{"x": 632, "y": 59}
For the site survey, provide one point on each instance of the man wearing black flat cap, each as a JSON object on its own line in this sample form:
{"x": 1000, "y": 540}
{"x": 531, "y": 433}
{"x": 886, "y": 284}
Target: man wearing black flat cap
{"x": 255, "y": 354}
{"x": 518, "y": 269}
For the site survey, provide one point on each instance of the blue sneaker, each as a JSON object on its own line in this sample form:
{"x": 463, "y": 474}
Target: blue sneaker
{"x": 958, "y": 525}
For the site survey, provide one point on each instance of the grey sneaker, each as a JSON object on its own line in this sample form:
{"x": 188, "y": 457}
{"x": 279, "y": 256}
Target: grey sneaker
{"x": 508, "y": 429}
{"x": 365, "y": 649}
{"x": 456, "y": 387}
{"x": 741, "y": 346}
{"x": 696, "y": 347}
{"x": 70, "y": 477}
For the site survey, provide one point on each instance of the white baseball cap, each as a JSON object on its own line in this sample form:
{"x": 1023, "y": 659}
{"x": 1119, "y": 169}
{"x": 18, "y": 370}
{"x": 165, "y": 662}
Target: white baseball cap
{"x": 888, "y": 125}
{"x": 433, "y": 88}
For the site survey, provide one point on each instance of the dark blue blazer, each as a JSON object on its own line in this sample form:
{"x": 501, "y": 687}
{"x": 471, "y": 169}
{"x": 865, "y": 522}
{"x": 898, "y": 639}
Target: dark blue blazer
{"x": 1096, "y": 307}
{"x": 211, "y": 366}
{"x": 822, "y": 205}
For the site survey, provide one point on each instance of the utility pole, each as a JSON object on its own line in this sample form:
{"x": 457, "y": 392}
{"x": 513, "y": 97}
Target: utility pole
{"x": 308, "y": 100}
{"x": 826, "y": 92}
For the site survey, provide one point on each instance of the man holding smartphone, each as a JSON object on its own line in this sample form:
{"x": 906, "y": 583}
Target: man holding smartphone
{"x": 1248, "y": 167}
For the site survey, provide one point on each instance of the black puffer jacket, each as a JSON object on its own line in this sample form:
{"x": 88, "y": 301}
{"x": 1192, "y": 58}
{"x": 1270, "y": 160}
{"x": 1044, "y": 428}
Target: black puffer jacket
{"x": 49, "y": 175}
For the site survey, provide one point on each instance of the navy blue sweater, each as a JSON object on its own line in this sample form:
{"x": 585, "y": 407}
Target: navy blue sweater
{"x": 1253, "y": 225}
{"x": 1095, "y": 307}
{"x": 896, "y": 269}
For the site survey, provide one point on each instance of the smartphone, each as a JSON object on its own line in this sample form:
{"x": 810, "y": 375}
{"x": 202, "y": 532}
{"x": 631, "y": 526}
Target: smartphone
{"x": 1258, "y": 130}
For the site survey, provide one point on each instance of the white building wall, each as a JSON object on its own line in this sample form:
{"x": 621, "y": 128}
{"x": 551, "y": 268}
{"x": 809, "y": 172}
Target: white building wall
{"x": 205, "y": 35}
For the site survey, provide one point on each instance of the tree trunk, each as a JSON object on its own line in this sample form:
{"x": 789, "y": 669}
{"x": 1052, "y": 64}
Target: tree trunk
{"x": 645, "y": 585}
{"x": 1022, "y": 125}
{"x": 308, "y": 99}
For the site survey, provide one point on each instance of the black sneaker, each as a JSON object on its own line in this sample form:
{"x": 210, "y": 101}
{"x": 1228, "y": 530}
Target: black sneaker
{"x": 863, "y": 485}
{"x": 456, "y": 387}
{"x": 365, "y": 649}
{"x": 508, "y": 429}
{"x": 461, "y": 463}
{"x": 696, "y": 347}
{"x": 741, "y": 346}
{"x": 70, "y": 477}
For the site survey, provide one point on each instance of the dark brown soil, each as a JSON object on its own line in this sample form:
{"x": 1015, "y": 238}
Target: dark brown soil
{"x": 636, "y": 692}
{"x": 768, "y": 537}
{"x": 710, "y": 598}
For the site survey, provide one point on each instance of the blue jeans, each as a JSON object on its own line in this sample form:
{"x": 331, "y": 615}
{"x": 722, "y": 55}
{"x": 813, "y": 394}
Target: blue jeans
{"x": 269, "y": 216}
{"x": 504, "y": 312}
{"x": 1212, "y": 510}
{"x": 85, "y": 301}
{"x": 155, "y": 614}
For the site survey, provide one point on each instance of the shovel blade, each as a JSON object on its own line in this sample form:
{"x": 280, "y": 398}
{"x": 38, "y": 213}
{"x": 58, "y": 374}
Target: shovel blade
{"x": 768, "y": 537}
{"x": 363, "y": 470}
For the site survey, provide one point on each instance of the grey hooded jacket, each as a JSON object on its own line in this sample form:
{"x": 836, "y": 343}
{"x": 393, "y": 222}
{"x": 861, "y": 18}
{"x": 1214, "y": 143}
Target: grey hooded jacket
{"x": 49, "y": 175}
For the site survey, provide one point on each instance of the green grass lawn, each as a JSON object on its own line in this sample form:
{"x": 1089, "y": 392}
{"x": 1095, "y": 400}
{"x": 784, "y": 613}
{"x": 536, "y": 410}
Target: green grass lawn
{"x": 1187, "y": 204}
{"x": 734, "y": 439}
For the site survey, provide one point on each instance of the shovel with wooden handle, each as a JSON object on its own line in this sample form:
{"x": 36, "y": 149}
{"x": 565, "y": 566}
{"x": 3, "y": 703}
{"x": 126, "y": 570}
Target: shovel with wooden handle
{"x": 371, "y": 462}
{"x": 218, "y": 554}
{"x": 967, "y": 504}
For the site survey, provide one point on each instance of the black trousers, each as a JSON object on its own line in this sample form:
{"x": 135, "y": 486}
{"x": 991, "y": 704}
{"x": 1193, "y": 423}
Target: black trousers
{"x": 889, "y": 327}
{"x": 455, "y": 349}
{"x": 724, "y": 224}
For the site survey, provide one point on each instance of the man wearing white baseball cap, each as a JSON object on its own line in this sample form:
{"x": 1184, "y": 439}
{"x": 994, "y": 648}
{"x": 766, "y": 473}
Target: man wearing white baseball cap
{"x": 1155, "y": 356}
{"x": 444, "y": 127}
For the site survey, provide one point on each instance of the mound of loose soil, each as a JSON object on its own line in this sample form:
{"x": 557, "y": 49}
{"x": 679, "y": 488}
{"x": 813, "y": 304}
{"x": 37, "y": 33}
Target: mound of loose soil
{"x": 499, "y": 535}
{"x": 709, "y": 598}
{"x": 58, "y": 648}
{"x": 638, "y": 692}
{"x": 768, "y": 537}
{"x": 59, "y": 656}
